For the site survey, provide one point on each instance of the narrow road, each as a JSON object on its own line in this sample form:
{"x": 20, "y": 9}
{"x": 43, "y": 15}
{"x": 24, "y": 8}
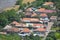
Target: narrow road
{"x": 48, "y": 29}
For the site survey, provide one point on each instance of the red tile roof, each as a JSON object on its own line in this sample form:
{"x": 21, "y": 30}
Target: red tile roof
{"x": 34, "y": 14}
{"x": 48, "y": 3}
{"x": 15, "y": 22}
{"x": 43, "y": 15}
{"x": 31, "y": 19}
{"x": 41, "y": 9}
{"x": 25, "y": 30}
{"x": 13, "y": 29}
{"x": 29, "y": 9}
{"x": 38, "y": 25}
{"x": 40, "y": 29}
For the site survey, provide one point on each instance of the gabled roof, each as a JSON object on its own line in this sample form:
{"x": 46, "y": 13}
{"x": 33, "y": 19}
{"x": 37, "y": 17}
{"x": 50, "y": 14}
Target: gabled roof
{"x": 15, "y": 22}
{"x": 28, "y": 13}
{"x": 25, "y": 30}
{"x": 40, "y": 29}
{"x": 29, "y": 9}
{"x": 34, "y": 14}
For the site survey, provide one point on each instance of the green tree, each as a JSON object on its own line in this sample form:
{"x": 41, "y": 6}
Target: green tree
{"x": 19, "y": 2}
{"x": 3, "y": 20}
{"x": 12, "y": 15}
{"x": 49, "y": 38}
{"x": 7, "y": 17}
{"x": 57, "y": 35}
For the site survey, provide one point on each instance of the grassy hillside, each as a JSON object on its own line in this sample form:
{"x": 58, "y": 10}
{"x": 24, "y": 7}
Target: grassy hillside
{"x": 26, "y": 1}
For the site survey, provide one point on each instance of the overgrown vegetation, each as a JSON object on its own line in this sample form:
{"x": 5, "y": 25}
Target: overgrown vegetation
{"x": 10, "y": 37}
{"x": 53, "y": 36}
{"x": 9, "y": 16}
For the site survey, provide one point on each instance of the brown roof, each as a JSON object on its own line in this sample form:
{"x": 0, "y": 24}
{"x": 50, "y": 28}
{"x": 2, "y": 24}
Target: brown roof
{"x": 13, "y": 29}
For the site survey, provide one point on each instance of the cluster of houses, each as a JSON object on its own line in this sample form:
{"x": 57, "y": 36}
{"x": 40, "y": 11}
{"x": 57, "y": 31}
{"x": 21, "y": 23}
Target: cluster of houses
{"x": 35, "y": 22}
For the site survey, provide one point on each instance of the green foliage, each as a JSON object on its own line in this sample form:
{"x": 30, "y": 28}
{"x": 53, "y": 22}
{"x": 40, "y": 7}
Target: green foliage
{"x": 10, "y": 37}
{"x": 21, "y": 15}
{"x": 19, "y": 2}
{"x": 3, "y": 20}
{"x": 52, "y": 14}
{"x": 49, "y": 38}
{"x": 37, "y": 3}
{"x": 12, "y": 15}
{"x": 53, "y": 36}
{"x": 57, "y": 35}
{"x": 8, "y": 17}
{"x": 31, "y": 37}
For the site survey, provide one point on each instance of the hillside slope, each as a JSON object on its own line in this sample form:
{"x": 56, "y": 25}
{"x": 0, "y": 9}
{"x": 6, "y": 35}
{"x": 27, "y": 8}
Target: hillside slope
{"x": 26, "y": 1}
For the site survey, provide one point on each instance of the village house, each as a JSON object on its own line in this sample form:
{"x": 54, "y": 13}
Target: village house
{"x": 17, "y": 24}
{"x": 29, "y": 9}
{"x": 30, "y": 14}
{"x": 51, "y": 4}
{"x": 30, "y": 20}
{"x": 38, "y": 25}
{"x": 44, "y": 17}
{"x": 25, "y": 32}
{"x": 34, "y": 25}
{"x": 43, "y": 10}
{"x": 7, "y": 27}
{"x": 12, "y": 30}
{"x": 34, "y": 15}
{"x": 49, "y": 11}
{"x": 3, "y": 33}
{"x": 21, "y": 26}
{"x": 53, "y": 18}
{"x": 39, "y": 32}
